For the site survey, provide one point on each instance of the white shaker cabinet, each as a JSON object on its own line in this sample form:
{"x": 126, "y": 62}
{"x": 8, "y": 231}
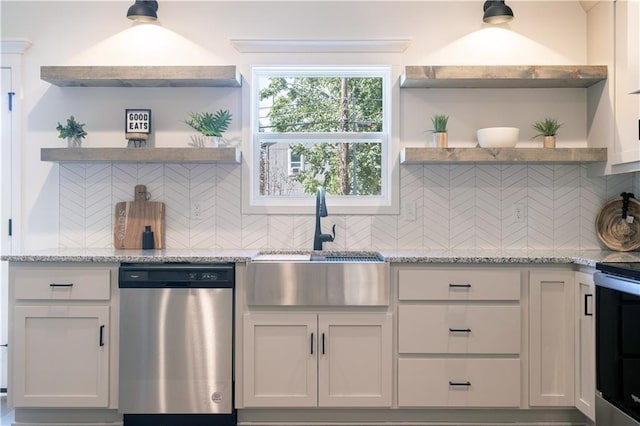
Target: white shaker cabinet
{"x": 585, "y": 357}
{"x": 551, "y": 338}
{"x": 317, "y": 360}
{"x": 280, "y": 360}
{"x": 65, "y": 357}
{"x": 626, "y": 153}
{"x": 60, "y": 338}
{"x": 459, "y": 337}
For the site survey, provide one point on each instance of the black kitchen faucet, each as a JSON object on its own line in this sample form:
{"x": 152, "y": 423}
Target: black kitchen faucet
{"x": 321, "y": 211}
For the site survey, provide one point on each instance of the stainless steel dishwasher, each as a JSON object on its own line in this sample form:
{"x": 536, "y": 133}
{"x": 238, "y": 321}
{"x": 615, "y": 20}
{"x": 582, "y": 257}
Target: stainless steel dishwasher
{"x": 176, "y": 344}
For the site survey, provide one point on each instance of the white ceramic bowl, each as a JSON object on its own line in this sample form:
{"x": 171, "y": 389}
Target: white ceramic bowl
{"x": 498, "y": 137}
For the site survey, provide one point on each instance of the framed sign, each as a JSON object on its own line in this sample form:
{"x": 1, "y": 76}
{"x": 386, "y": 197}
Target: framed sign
{"x": 137, "y": 121}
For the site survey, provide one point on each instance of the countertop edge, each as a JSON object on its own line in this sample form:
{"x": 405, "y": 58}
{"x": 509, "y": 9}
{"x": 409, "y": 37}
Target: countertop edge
{"x": 580, "y": 258}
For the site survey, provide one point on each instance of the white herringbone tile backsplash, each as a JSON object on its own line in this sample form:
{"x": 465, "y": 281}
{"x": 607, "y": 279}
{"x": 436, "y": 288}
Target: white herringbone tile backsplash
{"x": 441, "y": 207}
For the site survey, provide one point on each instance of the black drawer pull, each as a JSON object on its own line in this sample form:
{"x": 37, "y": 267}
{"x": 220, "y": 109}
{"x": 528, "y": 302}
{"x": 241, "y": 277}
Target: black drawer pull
{"x": 311, "y": 343}
{"x": 459, "y": 285}
{"x": 459, "y": 330}
{"x": 102, "y": 335}
{"x": 322, "y": 343}
{"x": 586, "y": 305}
{"x": 61, "y": 285}
{"x": 459, "y": 383}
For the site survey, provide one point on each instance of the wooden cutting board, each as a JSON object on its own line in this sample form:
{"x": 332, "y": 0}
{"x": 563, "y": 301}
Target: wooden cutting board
{"x": 132, "y": 216}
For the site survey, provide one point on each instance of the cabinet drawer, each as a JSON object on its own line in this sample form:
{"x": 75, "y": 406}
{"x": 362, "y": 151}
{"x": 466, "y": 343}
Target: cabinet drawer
{"x": 459, "y": 382}
{"x": 416, "y": 284}
{"x": 62, "y": 284}
{"x": 459, "y": 329}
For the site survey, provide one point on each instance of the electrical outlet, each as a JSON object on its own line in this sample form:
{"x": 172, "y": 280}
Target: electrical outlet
{"x": 196, "y": 210}
{"x": 410, "y": 211}
{"x": 517, "y": 213}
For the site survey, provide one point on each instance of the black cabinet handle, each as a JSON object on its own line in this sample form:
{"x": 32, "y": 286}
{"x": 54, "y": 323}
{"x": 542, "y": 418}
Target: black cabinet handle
{"x": 586, "y": 305}
{"x": 61, "y": 285}
{"x": 459, "y": 285}
{"x": 311, "y": 343}
{"x": 102, "y": 335}
{"x": 459, "y": 330}
{"x": 459, "y": 383}
{"x": 322, "y": 343}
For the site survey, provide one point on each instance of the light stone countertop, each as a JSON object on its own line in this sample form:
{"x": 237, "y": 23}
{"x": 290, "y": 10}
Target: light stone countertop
{"x": 133, "y": 256}
{"x": 578, "y": 257}
{"x": 550, "y": 256}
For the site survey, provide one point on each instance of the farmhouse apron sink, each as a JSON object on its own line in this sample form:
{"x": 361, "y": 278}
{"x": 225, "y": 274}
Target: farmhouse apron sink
{"x": 318, "y": 279}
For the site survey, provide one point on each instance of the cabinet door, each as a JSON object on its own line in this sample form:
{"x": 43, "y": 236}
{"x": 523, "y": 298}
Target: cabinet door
{"x": 627, "y": 78}
{"x": 551, "y": 338}
{"x": 61, "y": 356}
{"x": 585, "y": 345}
{"x": 354, "y": 367}
{"x": 280, "y": 360}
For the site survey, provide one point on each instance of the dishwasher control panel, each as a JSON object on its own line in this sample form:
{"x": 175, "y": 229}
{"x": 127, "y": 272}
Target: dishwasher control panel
{"x": 149, "y": 275}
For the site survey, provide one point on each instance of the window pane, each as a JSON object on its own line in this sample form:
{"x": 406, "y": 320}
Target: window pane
{"x": 321, "y": 126}
{"x": 320, "y": 104}
{"x": 343, "y": 168}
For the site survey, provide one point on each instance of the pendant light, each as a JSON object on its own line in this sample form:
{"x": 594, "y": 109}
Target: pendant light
{"x": 496, "y": 12}
{"x": 143, "y": 11}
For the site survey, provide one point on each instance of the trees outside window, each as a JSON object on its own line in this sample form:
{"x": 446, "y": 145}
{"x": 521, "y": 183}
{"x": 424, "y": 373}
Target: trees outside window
{"x": 321, "y": 127}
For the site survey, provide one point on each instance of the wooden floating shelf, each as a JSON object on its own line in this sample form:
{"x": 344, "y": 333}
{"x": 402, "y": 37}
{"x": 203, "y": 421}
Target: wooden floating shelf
{"x": 503, "y": 76}
{"x": 141, "y": 155}
{"x": 502, "y": 155}
{"x": 142, "y": 76}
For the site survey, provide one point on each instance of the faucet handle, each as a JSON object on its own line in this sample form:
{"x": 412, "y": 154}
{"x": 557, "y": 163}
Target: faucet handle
{"x": 333, "y": 232}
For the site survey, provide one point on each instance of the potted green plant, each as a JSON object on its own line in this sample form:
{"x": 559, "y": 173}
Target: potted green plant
{"x": 73, "y": 132}
{"x": 547, "y": 128}
{"x": 440, "y": 136}
{"x": 210, "y": 126}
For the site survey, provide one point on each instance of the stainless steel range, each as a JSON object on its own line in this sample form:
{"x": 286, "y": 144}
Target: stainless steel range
{"x": 617, "y": 344}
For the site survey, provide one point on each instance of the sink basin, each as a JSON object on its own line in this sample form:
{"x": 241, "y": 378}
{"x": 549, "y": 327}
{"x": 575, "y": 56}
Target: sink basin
{"x": 347, "y": 258}
{"x": 334, "y": 257}
{"x": 281, "y": 257}
{"x": 318, "y": 279}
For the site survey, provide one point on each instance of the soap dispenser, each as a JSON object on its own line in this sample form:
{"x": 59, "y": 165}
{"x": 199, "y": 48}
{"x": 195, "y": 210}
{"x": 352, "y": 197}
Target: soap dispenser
{"x": 147, "y": 238}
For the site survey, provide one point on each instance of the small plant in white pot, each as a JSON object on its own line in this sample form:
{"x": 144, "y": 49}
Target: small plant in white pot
{"x": 210, "y": 126}
{"x": 440, "y": 135}
{"x": 548, "y": 129}
{"x": 73, "y": 132}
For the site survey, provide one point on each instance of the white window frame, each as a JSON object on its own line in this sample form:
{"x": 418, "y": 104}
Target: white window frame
{"x": 385, "y": 203}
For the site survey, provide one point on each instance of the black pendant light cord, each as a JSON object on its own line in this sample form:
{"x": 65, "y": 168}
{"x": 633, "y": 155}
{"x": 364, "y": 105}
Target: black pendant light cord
{"x": 625, "y": 203}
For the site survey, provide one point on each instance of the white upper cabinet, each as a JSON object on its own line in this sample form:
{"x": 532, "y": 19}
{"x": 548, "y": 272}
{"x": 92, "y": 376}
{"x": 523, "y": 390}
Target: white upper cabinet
{"x": 625, "y": 156}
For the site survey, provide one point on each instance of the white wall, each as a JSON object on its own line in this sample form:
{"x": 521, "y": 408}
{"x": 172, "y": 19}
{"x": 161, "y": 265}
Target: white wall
{"x": 195, "y": 33}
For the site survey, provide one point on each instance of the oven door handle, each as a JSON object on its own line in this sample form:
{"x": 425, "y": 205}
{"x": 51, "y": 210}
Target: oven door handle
{"x": 616, "y": 283}
{"x": 587, "y": 312}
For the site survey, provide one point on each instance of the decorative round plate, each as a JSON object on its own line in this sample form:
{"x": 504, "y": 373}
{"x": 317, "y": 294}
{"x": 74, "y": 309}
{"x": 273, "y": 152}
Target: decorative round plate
{"x": 615, "y": 232}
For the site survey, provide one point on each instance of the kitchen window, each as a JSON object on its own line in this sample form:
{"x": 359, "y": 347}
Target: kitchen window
{"x": 321, "y": 126}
